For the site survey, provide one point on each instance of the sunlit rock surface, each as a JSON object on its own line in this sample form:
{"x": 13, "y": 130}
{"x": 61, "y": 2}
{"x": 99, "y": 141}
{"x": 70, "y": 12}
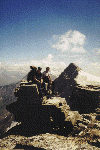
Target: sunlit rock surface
{"x": 60, "y": 128}
{"x": 45, "y": 141}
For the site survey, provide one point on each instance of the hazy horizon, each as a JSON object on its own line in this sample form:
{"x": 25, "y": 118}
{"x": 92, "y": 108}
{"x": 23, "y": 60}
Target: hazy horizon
{"x": 15, "y": 80}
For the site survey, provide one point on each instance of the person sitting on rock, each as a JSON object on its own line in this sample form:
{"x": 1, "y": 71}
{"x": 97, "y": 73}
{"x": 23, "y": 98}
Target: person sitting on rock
{"x": 39, "y": 81}
{"x": 47, "y": 79}
{"x": 46, "y": 76}
{"x": 30, "y": 76}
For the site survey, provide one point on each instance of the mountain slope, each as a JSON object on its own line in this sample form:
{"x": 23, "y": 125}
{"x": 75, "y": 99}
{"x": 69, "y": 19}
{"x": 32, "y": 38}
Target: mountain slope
{"x": 6, "y": 97}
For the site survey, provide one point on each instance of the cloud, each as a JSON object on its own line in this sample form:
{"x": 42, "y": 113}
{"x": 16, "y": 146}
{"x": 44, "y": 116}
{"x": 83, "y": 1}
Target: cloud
{"x": 79, "y": 61}
{"x": 43, "y": 62}
{"x": 50, "y": 56}
{"x": 96, "y": 65}
{"x": 56, "y": 67}
{"x": 88, "y": 66}
{"x": 95, "y": 68}
{"x": 55, "y": 37}
{"x": 96, "y": 51}
{"x": 71, "y": 41}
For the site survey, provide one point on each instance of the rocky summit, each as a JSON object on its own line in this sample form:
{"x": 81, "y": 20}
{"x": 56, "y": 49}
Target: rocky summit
{"x": 68, "y": 120}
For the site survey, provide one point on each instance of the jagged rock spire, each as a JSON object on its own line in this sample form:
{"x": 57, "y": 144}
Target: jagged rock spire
{"x": 70, "y": 72}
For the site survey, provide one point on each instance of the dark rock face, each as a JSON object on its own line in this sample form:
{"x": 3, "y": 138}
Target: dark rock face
{"x": 20, "y": 146}
{"x": 84, "y": 100}
{"x": 65, "y": 83}
{"x": 5, "y": 123}
{"x": 37, "y": 115}
{"x": 37, "y": 118}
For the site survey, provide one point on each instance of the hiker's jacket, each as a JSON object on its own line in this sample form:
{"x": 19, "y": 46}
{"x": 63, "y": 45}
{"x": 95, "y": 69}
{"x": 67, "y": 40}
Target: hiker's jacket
{"x": 30, "y": 76}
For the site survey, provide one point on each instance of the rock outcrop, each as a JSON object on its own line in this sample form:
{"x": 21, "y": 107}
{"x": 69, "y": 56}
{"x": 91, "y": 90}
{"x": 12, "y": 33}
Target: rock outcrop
{"x": 52, "y": 115}
{"x": 50, "y": 123}
{"x": 85, "y": 99}
{"x": 45, "y": 141}
{"x": 80, "y": 89}
{"x": 57, "y": 122}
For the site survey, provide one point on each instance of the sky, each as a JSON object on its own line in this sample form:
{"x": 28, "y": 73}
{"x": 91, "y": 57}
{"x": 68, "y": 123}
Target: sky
{"x": 50, "y": 33}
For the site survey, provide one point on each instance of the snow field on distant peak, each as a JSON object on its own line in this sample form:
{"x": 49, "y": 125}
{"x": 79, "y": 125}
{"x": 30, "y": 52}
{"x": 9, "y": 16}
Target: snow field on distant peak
{"x": 85, "y": 78}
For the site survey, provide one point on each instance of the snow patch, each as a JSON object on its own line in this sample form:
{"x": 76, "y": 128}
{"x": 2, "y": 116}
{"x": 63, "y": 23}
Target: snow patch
{"x": 85, "y": 78}
{"x": 13, "y": 124}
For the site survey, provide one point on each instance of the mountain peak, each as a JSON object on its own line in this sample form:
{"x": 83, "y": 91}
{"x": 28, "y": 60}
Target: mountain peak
{"x": 74, "y": 66}
{"x": 71, "y": 71}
